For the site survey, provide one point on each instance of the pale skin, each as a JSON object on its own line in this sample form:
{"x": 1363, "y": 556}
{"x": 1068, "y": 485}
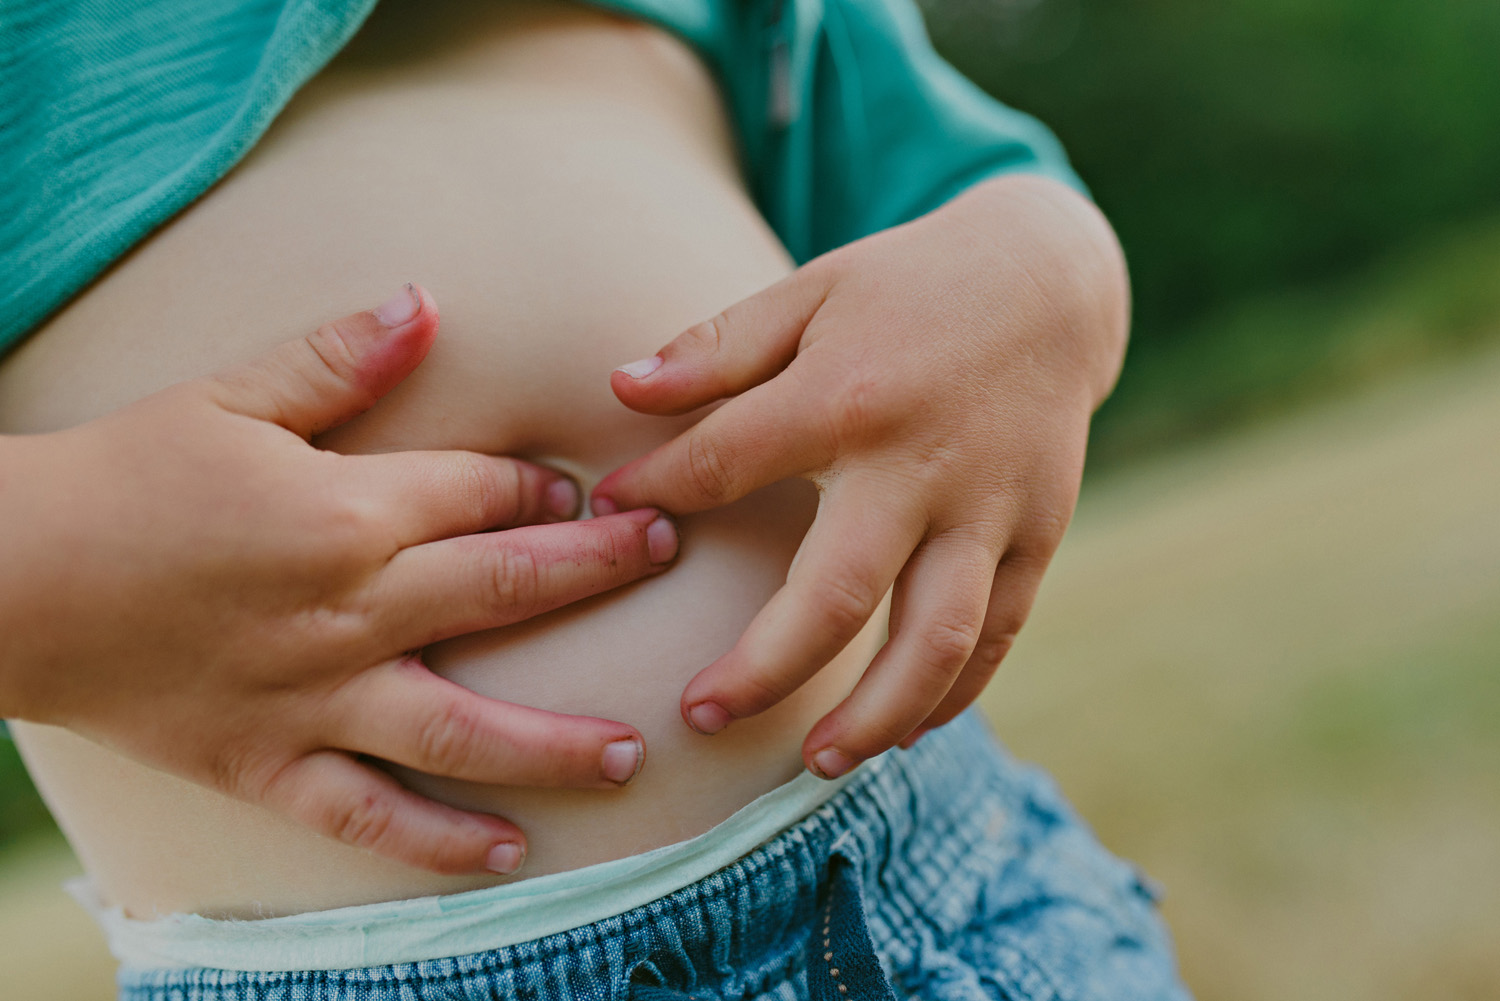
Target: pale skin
{"x": 934, "y": 381}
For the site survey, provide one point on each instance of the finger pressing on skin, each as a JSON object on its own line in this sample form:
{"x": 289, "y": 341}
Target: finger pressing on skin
{"x": 358, "y": 804}
{"x": 443, "y": 589}
{"x": 740, "y": 348}
{"x": 438, "y": 495}
{"x": 851, "y": 554}
{"x": 335, "y": 373}
{"x": 939, "y": 602}
{"x": 403, "y": 713}
{"x": 1011, "y": 596}
{"x": 757, "y": 439}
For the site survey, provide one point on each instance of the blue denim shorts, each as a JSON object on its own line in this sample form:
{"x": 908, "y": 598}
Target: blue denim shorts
{"x": 949, "y": 873}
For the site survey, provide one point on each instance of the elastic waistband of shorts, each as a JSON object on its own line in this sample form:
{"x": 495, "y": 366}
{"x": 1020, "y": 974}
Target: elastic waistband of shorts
{"x": 402, "y": 931}
{"x": 932, "y": 800}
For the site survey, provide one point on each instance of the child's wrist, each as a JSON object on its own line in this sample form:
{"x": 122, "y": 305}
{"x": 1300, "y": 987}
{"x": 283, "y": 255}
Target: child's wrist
{"x": 1069, "y": 254}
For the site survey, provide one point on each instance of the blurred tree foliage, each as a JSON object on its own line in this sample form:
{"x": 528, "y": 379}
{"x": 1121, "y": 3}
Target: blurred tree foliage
{"x": 1251, "y": 148}
{"x": 1246, "y": 145}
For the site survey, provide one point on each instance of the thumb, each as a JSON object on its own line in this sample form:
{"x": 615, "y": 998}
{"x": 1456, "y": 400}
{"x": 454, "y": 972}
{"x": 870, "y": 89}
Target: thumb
{"x": 737, "y": 350}
{"x": 338, "y": 371}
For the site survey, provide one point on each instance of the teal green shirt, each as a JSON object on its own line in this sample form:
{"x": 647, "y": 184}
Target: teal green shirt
{"x": 116, "y": 114}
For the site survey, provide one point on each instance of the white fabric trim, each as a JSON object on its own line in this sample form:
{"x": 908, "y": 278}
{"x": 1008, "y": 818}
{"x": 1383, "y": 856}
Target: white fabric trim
{"x": 405, "y": 931}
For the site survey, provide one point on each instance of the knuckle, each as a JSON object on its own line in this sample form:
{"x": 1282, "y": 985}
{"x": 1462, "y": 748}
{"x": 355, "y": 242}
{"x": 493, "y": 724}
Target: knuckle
{"x": 705, "y": 337}
{"x": 277, "y": 786}
{"x": 712, "y": 475}
{"x": 267, "y": 384}
{"x": 235, "y": 382}
{"x": 855, "y": 411}
{"x": 620, "y": 550}
{"x": 934, "y": 457}
{"x": 948, "y": 641}
{"x": 486, "y": 490}
{"x": 352, "y": 533}
{"x": 446, "y": 741}
{"x": 991, "y": 649}
{"x": 233, "y": 771}
{"x": 351, "y": 521}
{"x": 513, "y": 581}
{"x": 1046, "y": 533}
{"x": 333, "y": 350}
{"x": 366, "y": 821}
{"x": 341, "y": 630}
{"x": 844, "y": 605}
{"x": 224, "y": 774}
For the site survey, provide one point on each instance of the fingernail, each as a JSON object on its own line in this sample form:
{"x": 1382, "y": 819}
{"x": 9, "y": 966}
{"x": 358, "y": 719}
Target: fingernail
{"x": 562, "y": 498}
{"x": 641, "y": 369}
{"x": 623, "y": 760}
{"x": 602, "y": 506}
{"x": 708, "y": 718}
{"x": 399, "y": 308}
{"x": 661, "y": 541}
{"x": 505, "y": 858}
{"x": 830, "y": 764}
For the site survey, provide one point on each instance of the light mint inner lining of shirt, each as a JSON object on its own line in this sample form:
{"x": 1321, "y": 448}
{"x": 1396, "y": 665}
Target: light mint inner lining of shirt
{"x": 459, "y": 924}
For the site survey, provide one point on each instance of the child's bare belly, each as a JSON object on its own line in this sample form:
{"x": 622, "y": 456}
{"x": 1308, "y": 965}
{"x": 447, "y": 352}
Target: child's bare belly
{"x": 564, "y": 184}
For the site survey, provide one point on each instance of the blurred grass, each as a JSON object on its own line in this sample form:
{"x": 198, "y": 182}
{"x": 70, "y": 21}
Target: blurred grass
{"x": 50, "y": 949}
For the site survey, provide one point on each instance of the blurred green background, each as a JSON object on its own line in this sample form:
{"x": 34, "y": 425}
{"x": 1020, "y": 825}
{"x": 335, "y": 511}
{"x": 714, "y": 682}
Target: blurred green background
{"x": 1306, "y": 189}
{"x": 1267, "y": 663}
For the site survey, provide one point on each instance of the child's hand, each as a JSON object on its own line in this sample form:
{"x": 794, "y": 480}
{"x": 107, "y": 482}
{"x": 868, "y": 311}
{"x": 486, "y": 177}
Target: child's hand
{"x": 191, "y": 583}
{"x": 936, "y": 382}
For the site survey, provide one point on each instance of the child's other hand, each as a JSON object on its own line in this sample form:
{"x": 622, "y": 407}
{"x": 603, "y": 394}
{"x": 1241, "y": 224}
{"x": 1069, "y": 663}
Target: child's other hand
{"x": 190, "y": 582}
{"x": 936, "y": 382}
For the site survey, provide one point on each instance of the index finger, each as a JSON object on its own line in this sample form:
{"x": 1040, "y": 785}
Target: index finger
{"x": 753, "y": 441}
{"x": 443, "y": 589}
